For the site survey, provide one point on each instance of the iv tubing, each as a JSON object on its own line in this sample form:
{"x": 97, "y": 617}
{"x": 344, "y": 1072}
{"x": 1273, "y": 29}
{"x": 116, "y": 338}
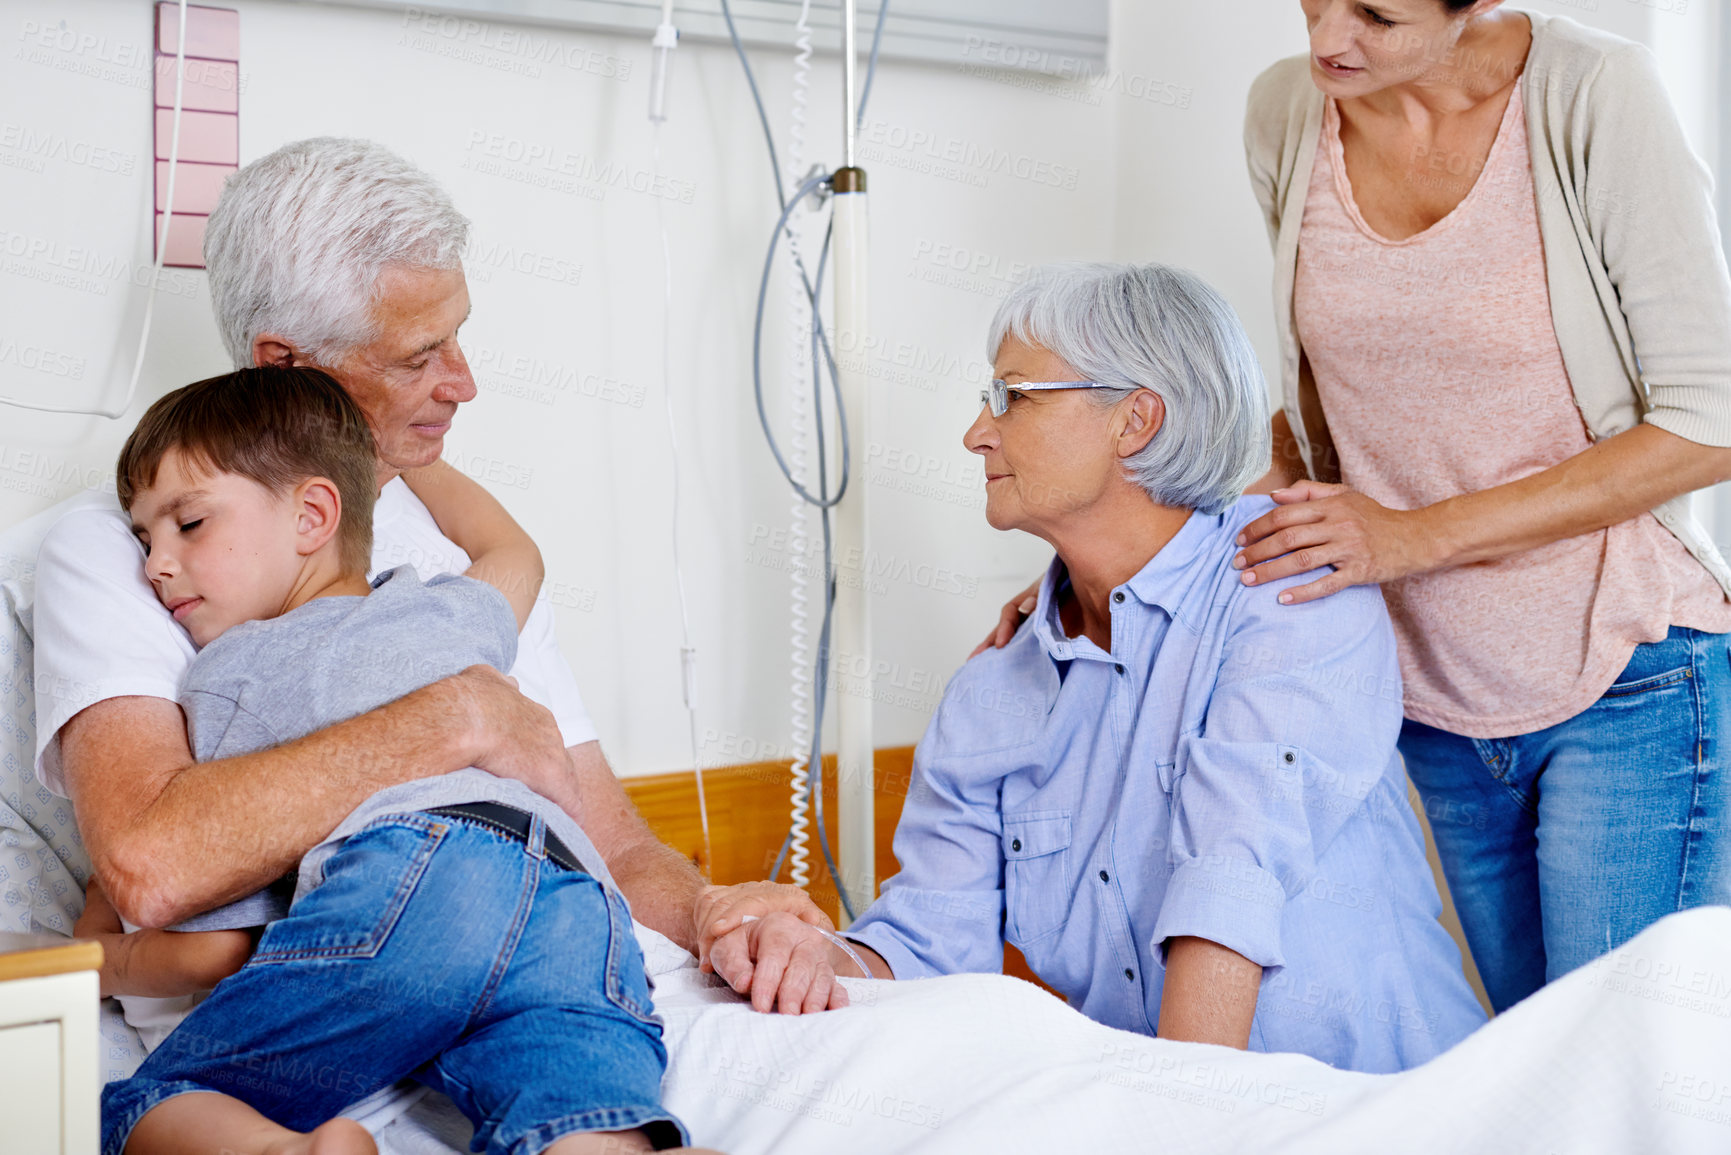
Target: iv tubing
{"x": 841, "y": 943}
{"x": 687, "y": 651}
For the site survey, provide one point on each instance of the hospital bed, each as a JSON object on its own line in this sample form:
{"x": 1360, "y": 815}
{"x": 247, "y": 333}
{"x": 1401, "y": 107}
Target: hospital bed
{"x": 1629, "y": 1054}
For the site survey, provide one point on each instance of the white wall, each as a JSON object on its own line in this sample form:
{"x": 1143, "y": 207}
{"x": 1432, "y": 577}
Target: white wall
{"x": 975, "y": 176}
{"x": 1686, "y": 37}
{"x": 1028, "y": 179}
{"x": 1686, "y": 40}
{"x": 1183, "y": 195}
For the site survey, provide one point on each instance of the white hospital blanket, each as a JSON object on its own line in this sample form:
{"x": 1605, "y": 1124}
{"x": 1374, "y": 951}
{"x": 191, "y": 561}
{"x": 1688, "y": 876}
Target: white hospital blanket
{"x": 1629, "y": 1054}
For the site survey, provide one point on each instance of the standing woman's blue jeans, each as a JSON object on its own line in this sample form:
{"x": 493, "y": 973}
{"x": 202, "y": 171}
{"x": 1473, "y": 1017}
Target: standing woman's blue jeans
{"x": 1562, "y": 844}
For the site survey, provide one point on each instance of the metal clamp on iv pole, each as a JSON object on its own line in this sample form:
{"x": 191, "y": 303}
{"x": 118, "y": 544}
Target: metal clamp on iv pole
{"x": 855, "y": 777}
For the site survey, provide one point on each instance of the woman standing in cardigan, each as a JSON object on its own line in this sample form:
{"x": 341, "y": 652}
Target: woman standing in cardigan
{"x": 1506, "y": 328}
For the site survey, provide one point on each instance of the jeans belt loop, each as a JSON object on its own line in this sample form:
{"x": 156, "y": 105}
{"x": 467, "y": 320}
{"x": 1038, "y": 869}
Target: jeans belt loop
{"x": 537, "y": 840}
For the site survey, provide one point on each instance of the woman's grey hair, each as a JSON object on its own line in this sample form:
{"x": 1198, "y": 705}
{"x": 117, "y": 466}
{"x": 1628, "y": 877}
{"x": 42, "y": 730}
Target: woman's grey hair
{"x": 299, "y": 238}
{"x": 1159, "y": 328}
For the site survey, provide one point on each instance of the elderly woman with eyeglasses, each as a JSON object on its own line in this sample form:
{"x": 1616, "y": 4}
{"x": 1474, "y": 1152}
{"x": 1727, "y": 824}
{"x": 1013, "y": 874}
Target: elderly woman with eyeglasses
{"x": 1178, "y": 798}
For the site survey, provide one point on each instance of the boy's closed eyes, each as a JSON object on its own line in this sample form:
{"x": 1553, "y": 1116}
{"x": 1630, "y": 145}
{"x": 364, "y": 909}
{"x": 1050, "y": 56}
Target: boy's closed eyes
{"x": 221, "y": 549}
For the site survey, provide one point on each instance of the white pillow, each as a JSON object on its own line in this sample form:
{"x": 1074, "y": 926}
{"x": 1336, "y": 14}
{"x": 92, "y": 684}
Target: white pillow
{"x": 43, "y": 866}
{"x": 42, "y": 861}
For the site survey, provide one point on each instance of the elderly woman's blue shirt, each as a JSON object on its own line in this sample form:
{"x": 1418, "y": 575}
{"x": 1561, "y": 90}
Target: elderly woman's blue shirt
{"x": 1228, "y": 771}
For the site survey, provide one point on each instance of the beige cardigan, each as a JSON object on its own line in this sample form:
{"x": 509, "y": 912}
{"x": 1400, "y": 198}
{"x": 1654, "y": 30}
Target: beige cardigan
{"x": 1640, "y": 296}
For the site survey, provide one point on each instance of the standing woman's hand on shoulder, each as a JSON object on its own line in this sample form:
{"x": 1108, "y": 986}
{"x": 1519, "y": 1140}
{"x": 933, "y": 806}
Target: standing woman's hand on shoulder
{"x": 1315, "y": 525}
{"x": 1010, "y": 619}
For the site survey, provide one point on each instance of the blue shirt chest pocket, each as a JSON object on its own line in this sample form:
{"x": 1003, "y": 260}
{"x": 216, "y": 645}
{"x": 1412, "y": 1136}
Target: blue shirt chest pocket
{"x": 1037, "y": 882}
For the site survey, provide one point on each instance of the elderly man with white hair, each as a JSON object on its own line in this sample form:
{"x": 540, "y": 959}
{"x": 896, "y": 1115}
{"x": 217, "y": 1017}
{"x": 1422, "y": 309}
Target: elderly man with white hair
{"x": 1177, "y": 795}
{"x": 340, "y": 255}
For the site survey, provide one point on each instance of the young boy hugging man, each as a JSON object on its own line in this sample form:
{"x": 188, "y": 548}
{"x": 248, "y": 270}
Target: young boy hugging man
{"x": 444, "y": 931}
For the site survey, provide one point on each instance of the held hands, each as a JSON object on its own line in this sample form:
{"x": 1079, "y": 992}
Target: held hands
{"x": 721, "y": 910}
{"x": 766, "y": 940}
{"x": 1315, "y": 525}
{"x": 784, "y": 963}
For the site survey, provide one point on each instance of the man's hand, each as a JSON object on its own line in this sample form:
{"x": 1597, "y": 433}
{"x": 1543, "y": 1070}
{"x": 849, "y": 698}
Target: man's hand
{"x": 510, "y": 735}
{"x": 783, "y": 963}
{"x": 720, "y": 910}
{"x": 1010, "y": 618}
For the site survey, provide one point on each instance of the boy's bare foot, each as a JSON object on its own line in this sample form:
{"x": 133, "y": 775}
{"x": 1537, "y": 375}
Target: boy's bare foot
{"x": 338, "y": 1137}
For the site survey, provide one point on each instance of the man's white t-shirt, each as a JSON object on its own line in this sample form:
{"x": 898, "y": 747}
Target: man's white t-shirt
{"x": 101, "y": 633}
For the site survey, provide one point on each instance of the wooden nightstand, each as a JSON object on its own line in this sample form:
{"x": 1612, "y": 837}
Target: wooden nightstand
{"x": 50, "y": 1083}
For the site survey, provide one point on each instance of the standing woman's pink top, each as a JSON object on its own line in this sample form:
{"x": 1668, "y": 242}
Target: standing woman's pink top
{"x": 1439, "y": 372}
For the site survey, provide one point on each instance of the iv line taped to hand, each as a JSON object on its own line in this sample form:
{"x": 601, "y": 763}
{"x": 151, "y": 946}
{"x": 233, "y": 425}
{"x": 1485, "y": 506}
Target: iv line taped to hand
{"x": 838, "y": 940}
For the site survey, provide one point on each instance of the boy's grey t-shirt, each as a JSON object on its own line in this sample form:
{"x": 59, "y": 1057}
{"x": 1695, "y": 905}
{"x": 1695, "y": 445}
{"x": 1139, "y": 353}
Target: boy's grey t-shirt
{"x": 264, "y": 683}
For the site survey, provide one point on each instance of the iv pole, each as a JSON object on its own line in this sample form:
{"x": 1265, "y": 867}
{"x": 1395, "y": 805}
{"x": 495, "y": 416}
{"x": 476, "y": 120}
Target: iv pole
{"x": 856, "y": 833}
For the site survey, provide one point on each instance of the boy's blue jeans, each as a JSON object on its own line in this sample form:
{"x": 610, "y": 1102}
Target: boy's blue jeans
{"x": 1565, "y": 843}
{"x": 446, "y": 951}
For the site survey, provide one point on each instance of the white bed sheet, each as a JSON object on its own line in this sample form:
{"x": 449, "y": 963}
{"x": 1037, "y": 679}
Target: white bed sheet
{"x": 1629, "y": 1054}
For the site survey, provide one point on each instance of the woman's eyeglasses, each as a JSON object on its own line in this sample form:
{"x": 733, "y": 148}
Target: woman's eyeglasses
{"x": 997, "y": 397}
